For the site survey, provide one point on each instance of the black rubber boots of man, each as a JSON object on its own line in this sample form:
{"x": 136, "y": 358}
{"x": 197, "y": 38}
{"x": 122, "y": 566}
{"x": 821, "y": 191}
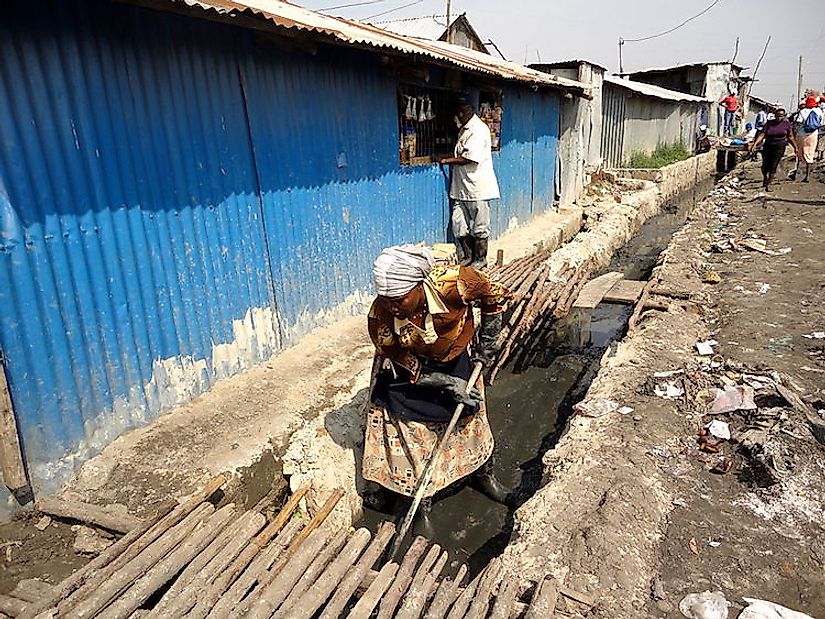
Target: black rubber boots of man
{"x": 472, "y": 252}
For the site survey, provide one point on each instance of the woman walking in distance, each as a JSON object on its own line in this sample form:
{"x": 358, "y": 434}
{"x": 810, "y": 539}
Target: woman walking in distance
{"x": 776, "y": 135}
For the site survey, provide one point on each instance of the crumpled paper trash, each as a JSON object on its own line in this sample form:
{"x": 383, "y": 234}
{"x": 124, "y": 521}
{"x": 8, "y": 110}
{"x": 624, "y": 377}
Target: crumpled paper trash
{"x": 732, "y": 399}
{"x": 719, "y": 429}
{"x": 596, "y": 407}
{"x": 705, "y": 605}
{"x": 760, "y": 609}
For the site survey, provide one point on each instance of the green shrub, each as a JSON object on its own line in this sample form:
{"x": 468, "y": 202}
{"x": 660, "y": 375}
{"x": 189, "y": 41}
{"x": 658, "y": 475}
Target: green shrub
{"x": 662, "y": 156}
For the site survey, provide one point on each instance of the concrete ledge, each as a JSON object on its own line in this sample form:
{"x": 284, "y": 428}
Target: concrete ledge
{"x": 676, "y": 177}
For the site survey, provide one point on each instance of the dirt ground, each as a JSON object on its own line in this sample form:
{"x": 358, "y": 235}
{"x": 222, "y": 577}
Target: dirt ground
{"x": 630, "y": 510}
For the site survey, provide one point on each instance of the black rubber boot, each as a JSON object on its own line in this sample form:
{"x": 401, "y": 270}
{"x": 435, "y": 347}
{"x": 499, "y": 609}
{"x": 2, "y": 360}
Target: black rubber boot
{"x": 479, "y": 253}
{"x": 465, "y": 250}
{"x": 485, "y": 482}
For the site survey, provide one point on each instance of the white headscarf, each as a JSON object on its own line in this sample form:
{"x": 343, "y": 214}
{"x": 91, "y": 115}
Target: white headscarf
{"x": 399, "y": 269}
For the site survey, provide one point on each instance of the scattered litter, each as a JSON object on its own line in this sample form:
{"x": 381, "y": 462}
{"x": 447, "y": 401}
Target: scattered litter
{"x": 723, "y": 466}
{"x": 816, "y": 335}
{"x": 763, "y": 288}
{"x": 694, "y": 547}
{"x": 709, "y": 276}
{"x": 706, "y": 348}
{"x": 596, "y": 407}
{"x": 714, "y": 543}
{"x": 719, "y": 429}
{"x": 624, "y": 410}
{"x": 760, "y": 609}
{"x": 732, "y": 399}
{"x": 705, "y": 605}
{"x": 43, "y": 523}
{"x": 669, "y": 390}
{"x": 662, "y": 452}
{"x": 668, "y": 373}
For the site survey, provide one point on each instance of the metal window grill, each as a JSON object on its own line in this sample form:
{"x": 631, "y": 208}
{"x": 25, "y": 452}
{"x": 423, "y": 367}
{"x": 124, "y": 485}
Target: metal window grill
{"x": 425, "y": 122}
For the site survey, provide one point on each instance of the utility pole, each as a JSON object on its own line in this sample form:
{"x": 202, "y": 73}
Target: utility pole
{"x": 799, "y": 83}
{"x": 449, "y": 22}
{"x": 621, "y": 64}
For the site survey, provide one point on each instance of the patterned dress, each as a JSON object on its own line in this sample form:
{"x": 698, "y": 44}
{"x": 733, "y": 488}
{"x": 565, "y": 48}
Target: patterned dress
{"x": 397, "y": 448}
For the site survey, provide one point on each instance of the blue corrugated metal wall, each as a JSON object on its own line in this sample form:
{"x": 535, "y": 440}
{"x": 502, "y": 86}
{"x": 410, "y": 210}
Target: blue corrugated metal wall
{"x": 130, "y": 220}
{"x": 177, "y": 200}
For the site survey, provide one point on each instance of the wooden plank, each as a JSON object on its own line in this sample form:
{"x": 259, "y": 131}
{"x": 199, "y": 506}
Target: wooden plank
{"x": 81, "y": 576}
{"x": 11, "y": 456}
{"x": 317, "y": 594}
{"x": 96, "y": 515}
{"x": 543, "y": 604}
{"x": 344, "y": 591}
{"x": 625, "y": 291}
{"x": 146, "y": 581}
{"x": 367, "y": 603}
{"x": 594, "y": 290}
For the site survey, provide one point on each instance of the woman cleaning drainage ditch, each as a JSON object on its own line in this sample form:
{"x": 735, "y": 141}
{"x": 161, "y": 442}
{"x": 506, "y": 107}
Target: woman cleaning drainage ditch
{"x": 422, "y": 327}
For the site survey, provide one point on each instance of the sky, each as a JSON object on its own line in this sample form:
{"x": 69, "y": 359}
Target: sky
{"x": 548, "y": 30}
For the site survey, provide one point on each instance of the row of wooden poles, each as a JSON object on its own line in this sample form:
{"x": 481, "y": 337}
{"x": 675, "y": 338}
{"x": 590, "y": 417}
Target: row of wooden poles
{"x": 539, "y": 296}
{"x": 197, "y": 561}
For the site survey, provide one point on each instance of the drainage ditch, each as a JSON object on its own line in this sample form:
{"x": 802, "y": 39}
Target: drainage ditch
{"x": 529, "y": 410}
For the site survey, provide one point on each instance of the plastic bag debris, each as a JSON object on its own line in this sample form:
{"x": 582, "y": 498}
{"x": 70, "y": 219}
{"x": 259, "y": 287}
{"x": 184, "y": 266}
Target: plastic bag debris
{"x": 719, "y": 429}
{"x": 668, "y": 390}
{"x": 760, "y": 609}
{"x": 624, "y": 410}
{"x": 704, "y": 605}
{"x": 763, "y": 288}
{"x": 732, "y": 399}
{"x": 596, "y": 408}
{"x": 668, "y": 373}
{"x": 706, "y": 348}
{"x": 816, "y": 335}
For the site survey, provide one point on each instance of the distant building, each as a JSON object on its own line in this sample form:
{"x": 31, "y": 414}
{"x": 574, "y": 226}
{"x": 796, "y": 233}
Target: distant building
{"x": 710, "y": 80}
{"x": 434, "y": 28}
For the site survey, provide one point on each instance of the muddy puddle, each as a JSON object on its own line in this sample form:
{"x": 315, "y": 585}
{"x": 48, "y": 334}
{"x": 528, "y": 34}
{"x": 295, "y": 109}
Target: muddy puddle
{"x": 528, "y": 410}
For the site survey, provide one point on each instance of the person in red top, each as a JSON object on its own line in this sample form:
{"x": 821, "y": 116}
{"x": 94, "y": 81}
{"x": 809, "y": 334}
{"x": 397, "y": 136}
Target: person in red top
{"x": 731, "y": 105}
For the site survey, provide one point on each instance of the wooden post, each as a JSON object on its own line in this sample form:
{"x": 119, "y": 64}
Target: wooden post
{"x": 11, "y": 456}
{"x": 363, "y": 609}
{"x": 544, "y": 600}
{"x": 350, "y": 583}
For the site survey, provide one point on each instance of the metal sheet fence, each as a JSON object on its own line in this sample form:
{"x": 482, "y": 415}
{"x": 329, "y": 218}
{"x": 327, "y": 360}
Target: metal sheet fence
{"x": 178, "y": 201}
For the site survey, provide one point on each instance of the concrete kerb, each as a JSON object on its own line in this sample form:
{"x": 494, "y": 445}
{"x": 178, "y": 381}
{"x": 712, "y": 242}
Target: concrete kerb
{"x": 300, "y": 414}
{"x": 675, "y": 178}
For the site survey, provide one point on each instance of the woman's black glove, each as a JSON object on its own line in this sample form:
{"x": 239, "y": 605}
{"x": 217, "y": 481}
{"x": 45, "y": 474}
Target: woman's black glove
{"x": 453, "y": 385}
{"x": 488, "y": 334}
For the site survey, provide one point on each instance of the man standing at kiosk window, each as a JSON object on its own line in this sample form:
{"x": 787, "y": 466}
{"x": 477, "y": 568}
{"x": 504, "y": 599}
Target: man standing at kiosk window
{"x": 472, "y": 187}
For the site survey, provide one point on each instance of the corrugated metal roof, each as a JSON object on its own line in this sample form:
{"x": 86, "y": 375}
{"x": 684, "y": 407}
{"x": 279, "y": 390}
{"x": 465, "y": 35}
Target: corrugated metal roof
{"x": 687, "y": 65}
{"x": 654, "y": 91}
{"x": 354, "y": 33}
{"x": 431, "y": 27}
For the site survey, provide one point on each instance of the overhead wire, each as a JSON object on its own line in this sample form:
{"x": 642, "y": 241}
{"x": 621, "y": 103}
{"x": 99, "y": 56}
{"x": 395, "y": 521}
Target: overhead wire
{"x": 687, "y": 21}
{"x": 346, "y": 6}
{"x": 398, "y": 8}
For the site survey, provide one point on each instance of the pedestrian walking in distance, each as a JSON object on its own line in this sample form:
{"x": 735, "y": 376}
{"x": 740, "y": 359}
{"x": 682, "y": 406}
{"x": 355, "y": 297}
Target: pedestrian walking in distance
{"x": 776, "y": 135}
{"x": 808, "y": 122}
{"x": 422, "y": 327}
{"x": 472, "y": 187}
